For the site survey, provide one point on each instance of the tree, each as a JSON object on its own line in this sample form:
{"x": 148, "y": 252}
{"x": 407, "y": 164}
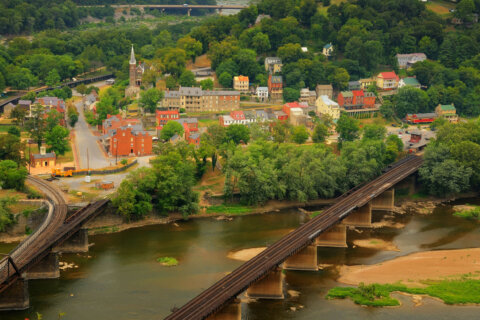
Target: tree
{"x": 281, "y": 131}
{"x": 18, "y": 114}
{"x": 53, "y": 118}
{"x": 339, "y": 78}
{"x": 150, "y": 98}
{"x": 170, "y": 129}
{"x": 261, "y": 43}
{"x": 53, "y": 78}
{"x": 225, "y": 80}
{"x": 206, "y": 84}
{"x": 291, "y": 94}
{"x": 57, "y": 139}
{"x": 347, "y": 129}
{"x": 308, "y": 8}
{"x": 465, "y": 10}
{"x": 11, "y": 148}
{"x": 386, "y": 109}
{"x": 300, "y": 134}
{"x": 6, "y": 216}
{"x": 290, "y": 52}
{"x": 14, "y": 131}
{"x": 237, "y": 133}
{"x": 37, "y": 125}
{"x": 410, "y": 100}
{"x": 82, "y": 89}
{"x": 374, "y": 132}
{"x": 192, "y": 47}
{"x": 12, "y": 176}
{"x": 187, "y": 79}
{"x": 320, "y": 133}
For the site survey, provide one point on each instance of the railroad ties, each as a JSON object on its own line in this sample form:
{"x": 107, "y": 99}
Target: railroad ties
{"x": 262, "y": 277}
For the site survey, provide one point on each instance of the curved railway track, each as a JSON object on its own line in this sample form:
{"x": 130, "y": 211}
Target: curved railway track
{"x": 28, "y": 252}
{"x": 226, "y": 289}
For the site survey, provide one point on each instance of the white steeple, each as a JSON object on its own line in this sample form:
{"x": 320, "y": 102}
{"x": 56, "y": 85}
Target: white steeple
{"x": 132, "y": 57}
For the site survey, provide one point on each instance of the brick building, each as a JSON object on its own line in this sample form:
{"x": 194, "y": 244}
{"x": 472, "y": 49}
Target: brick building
{"x": 194, "y": 99}
{"x": 43, "y": 159}
{"x": 275, "y": 87}
{"x": 116, "y": 121}
{"x": 164, "y": 116}
{"x": 128, "y": 141}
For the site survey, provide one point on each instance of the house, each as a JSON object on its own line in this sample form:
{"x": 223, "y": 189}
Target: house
{"x": 128, "y": 141}
{"x": 327, "y": 50}
{"x": 90, "y": 99}
{"x": 262, "y": 94}
{"x": 261, "y": 116}
{"x": 114, "y": 122}
{"x": 418, "y": 140}
{"x": 273, "y": 65}
{"x": 354, "y": 85}
{"x": 275, "y": 87}
{"x": 324, "y": 90}
{"x": 407, "y": 60}
{"x": 43, "y": 159}
{"x": 49, "y": 104}
{"x": 409, "y": 81}
{"x": 357, "y": 102}
{"x": 280, "y": 115}
{"x": 308, "y": 96}
{"x": 203, "y": 74}
{"x": 7, "y": 110}
{"x": 366, "y": 83}
{"x": 241, "y": 83}
{"x": 133, "y": 111}
{"x": 387, "y": 80}
{"x": 24, "y": 105}
{"x": 194, "y": 99}
{"x": 190, "y": 130}
{"x": 290, "y": 105}
{"x": 297, "y": 117}
{"x": 237, "y": 117}
{"x": 448, "y": 112}
{"x": 304, "y": 49}
{"x": 418, "y": 118}
{"x": 327, "y": 106}
{"x": 164, "y": 116}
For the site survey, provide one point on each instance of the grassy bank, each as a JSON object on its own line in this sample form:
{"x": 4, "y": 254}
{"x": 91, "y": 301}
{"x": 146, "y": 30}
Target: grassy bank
{"x": 229, "y": 209}
{"x": 471, "y": 214}
{"x": 464, "y": 290}
{"x": 168, "y": 261}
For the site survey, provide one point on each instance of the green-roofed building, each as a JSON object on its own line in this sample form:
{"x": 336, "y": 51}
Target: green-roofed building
{"x": 448, "y": 112}
{"x": 410, "y": 82}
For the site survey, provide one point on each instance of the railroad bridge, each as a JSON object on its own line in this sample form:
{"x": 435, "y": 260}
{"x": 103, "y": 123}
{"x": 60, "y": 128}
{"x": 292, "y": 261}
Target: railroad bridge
{"x": 163, "y": 7}
{"x": 261, "y": 277}
{"x": 37, "y": 256}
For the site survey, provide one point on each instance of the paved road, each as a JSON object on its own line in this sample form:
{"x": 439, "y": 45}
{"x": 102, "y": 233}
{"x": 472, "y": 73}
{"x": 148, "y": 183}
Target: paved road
{"x": 85, "y": 140}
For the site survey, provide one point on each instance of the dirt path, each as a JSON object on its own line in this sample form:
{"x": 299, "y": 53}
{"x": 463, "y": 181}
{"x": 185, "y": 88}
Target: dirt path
{"x": 413, "y": 268}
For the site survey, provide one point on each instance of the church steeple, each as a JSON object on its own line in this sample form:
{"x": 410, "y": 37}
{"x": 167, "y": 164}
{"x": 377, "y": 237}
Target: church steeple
{"x": 132, "y": 57}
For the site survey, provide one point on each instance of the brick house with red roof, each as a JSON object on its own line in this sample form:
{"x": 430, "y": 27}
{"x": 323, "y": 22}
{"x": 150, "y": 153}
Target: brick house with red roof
{"x": 116, "y": 121}
{"x": 126, "y": 141}
{"x": 289, "y": 105}
{"x": 164, "y": 116}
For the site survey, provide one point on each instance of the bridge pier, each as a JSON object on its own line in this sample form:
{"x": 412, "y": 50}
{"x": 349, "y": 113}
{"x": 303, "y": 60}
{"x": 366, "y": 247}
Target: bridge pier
{"x": 232, "y": 311}
{"x": 335, "y": 237}
{"x": 189, "y": 12}
{"x": 305, "y": 260}
{"x": 47, "y": 268}
{"x": 16, "y": 297}
{"x": 361, "y": 217}
{"x": 77, "y": 243}
{"x": 385, "y": 201}
{"x": 269, "y": 287}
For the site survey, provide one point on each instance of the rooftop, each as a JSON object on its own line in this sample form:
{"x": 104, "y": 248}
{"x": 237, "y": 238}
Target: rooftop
{"x": 411, "y": 81}
{"x": 328, "y": 101}
{"x": 447, "y": 107}
{"x": 388, "y": 75}
{"x": 276, "y": 79}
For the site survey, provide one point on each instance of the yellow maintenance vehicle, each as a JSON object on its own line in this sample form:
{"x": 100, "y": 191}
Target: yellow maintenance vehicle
{"x": 59, "y": 173}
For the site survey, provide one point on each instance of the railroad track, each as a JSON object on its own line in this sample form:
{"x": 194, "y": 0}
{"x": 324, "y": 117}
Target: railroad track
{"x": 226, "y": 289}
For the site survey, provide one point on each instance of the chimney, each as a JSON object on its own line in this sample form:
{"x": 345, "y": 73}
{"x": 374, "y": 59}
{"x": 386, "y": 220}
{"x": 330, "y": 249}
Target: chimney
{"x": 43, "y": 150}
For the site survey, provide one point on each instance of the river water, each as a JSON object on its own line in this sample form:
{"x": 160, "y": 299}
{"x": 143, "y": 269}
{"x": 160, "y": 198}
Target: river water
{"x": 120, "y": 279}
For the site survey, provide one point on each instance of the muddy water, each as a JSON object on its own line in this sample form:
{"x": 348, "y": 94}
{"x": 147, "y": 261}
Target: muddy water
{"x": 120, "y": 279}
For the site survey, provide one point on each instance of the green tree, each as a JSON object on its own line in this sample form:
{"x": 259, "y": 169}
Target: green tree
{"x": 11, "y": 148}
{"x": 465, "y": 10}
{"x": 291, "y": 94}
{"x": 206, "y": 84}
{"x": 300, "y": 134}
{"x": 53, "y": 118}
{"x": 12, "y": 176}
{"x": 57, "y": 139}
{"x": 187, "y": 79}
{"x": 6, "y": 216}
{"x": 170, "y": 129}
{"x": 320, "y": 133}
{"x": 237, "y": 133}
{"x": 192, "y": 47}
{"x": 225, "y": 80}
{"x": 261, "y": 43}
{"x": 374, "y": 132}
{"x": 290, "y": 52}
{"x": 347, "y": 129}
{"x": 281, "y": 131}
{"x": 53, "y": 78}
{"x": 150, "y": 98}
{"x": 410, "y": 100}
{"x": 14, "y": 131}
{"x": 37, "y": 125}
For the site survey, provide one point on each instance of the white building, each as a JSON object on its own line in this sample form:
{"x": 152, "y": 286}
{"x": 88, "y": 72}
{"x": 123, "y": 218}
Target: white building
{"x": 327, "y": 106}
{"x": 262, "y": 93}
{"x": 407, "y": 60}
{"x": 327, "y": 50}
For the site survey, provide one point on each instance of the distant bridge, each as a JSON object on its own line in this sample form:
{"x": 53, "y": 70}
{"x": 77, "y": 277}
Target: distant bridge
{"x": 163, "y": 7}
{"x": 261, "y": 276}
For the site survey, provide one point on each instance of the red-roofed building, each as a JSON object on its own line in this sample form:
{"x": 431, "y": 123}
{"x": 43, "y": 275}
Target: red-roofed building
{"x": 127, "y": 141}
{"x": 387, "y": 80}
{"x": 164, "y": 116}
{"x": 116, "y": 121}
{"x": 289, "y": 105}
{"x": 356, "y": 99}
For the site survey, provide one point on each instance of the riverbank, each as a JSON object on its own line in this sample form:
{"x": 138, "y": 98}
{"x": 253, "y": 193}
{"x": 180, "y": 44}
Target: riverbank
{"x": 415, "y": 268}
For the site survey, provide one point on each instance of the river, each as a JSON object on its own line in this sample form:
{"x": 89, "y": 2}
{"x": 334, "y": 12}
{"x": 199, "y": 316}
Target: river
{"x": 120, "y": 279}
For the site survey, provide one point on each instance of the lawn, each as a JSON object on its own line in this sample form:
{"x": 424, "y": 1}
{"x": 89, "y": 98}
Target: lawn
{"x": 229, "y": 209}
{"x": 440, "y": 7}
{"x": 206, "y": 122}
{"x": 464, "y": 290}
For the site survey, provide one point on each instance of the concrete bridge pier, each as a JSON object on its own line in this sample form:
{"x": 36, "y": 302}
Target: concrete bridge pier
{"x": 77, "y": 243}
{"x": 232, "y": 311}
{"x": 16, "y": 297}
{"x": 385, "y": 201}
{"x": 305, "y": 260}
{"x": 361, "y": 217}
{"x": 335, "y": 237}
{"x": 47, "y": 268}
{"x": 269, "y": 287}
{"x": 189, "y": 12}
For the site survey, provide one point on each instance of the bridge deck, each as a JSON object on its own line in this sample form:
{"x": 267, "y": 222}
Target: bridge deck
{"x": 215, "y": 297}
